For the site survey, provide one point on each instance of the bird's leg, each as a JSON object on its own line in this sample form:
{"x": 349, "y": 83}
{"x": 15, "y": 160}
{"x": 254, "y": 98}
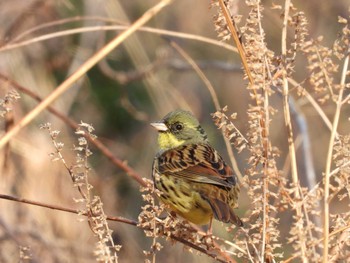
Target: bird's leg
{"x": 210, "y": 229}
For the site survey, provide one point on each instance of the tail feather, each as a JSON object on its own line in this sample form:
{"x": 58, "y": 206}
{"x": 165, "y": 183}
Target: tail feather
{"x": 223, "y": 212}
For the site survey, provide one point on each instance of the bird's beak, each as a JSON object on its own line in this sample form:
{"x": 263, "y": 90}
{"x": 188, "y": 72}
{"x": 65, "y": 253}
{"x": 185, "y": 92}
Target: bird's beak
{"x": 159, "y": 126}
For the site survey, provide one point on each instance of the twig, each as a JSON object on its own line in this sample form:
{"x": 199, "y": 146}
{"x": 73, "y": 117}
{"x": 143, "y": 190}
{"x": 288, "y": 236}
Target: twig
{"x": 61, "y": 22}
{"x": 265, "y": 133}
{"x": 236, "y": 39}
{"x": 324, "y": 71}
{"x": 347, "y": 98}
{"x": 119, "y": 28}
{"x": 308, "y": 171}
{"x": 329, "y": 161}
{"x": 313, "y": 103}
{"x": 318, "y": 185}
{"x": 64, "y": 209}
{"x": 333, "y": 233}
{"x": 200, "y": 249}
{"x": 287, "y": 120}
{"x": 83, "y": 69}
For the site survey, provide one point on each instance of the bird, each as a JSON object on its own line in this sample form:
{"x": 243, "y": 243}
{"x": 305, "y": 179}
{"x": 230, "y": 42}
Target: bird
{"x": 192, "y": 178}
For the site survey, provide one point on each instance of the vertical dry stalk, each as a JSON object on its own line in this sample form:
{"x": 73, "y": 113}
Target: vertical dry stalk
{"x": 265, "y": 139}
{"x": 326, "y": 199}
{"x": 287, "y": 120}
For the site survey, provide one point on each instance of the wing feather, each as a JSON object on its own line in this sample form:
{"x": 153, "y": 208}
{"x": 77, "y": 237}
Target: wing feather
{"x": 198, "y": 163}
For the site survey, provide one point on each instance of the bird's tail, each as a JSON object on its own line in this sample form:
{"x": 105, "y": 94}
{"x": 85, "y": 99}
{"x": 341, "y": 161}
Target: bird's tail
{"x": 224, "y": 213}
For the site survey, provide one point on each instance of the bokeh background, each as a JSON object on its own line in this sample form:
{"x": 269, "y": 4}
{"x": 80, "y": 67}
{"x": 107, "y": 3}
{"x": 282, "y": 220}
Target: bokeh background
{"x": 137, "y": 83}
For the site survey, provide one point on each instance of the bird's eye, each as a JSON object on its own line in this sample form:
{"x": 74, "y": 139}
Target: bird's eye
{"x": 179, "y": 126}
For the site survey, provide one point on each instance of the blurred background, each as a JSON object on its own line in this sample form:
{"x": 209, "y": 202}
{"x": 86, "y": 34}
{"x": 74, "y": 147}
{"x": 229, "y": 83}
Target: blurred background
{"x": 137, "y": 83}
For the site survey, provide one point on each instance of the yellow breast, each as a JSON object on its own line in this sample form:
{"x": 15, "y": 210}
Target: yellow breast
{"x": 183, "y": 199}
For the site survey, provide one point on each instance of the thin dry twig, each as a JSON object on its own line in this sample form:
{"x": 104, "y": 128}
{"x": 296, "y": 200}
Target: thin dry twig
{"x": 60, "y": 22}
{"x": 329, "y": 161}
{"x": 64, "y": 209}
{"x": 287, "y": 120}
{"x": 163, "y": 32}
{"x": 236, "y": 39}
{"x": 313, "y": 102}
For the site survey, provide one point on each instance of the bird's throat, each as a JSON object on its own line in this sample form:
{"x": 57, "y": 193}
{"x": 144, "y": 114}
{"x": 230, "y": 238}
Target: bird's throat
{"x": 168, "y": 141}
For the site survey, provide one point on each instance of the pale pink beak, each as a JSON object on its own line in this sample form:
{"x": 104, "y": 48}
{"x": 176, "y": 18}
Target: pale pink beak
{"x": 159, "y": 126}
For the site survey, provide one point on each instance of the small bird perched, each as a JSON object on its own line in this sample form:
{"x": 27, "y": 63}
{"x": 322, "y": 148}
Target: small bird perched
{"x": 192, "y": 177}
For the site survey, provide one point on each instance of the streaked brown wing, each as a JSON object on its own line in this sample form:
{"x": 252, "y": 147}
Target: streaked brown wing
{"x": 199, "y": 163}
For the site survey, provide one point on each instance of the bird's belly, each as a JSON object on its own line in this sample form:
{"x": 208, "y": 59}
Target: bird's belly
{"x": 198, "y": 216}
{"x": 184, "y": 200}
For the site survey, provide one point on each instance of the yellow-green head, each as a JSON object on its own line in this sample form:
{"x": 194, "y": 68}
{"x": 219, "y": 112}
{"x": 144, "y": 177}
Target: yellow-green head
{"x": 177, "y": 128}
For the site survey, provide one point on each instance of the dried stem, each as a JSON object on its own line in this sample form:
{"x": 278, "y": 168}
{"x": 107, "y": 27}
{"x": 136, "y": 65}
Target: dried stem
{"x": 86, "y": 29}
{"x": 236, "y": 39}
{"x": 265, "y": 141}
{"x": 64, "y": 209}
{"x": 329, "y": 161}
{"x": 287, "y": 120}
{"x": 314, "y": 103}
{"x": 60, "y": 22}
{"x": 324, "y": 71}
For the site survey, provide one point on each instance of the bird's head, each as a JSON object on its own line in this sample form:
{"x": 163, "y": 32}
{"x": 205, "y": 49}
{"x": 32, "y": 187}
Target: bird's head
{"x": 177, "y": 128}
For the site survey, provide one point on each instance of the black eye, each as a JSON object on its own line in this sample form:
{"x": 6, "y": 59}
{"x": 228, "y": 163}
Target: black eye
{"x": 179, "y": 126}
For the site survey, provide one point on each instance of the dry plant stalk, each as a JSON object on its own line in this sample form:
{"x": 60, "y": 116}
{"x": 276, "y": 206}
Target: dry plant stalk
{"x": 106, "y": 250}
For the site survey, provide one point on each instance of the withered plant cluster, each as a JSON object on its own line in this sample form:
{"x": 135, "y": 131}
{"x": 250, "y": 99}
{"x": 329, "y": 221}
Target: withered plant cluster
{"x": 105, "y": 250}
{"x": 288, "y": 216}
{"x": 314, "y": 233}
